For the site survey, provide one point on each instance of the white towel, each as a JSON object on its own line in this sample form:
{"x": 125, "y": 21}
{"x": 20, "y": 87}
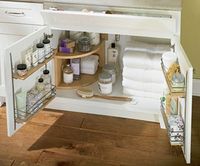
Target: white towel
{"x": 140, "y": 93}
{"x": 144, "y": 86}
{"x": 147, "y": 47}
{"x": 143, "y": 60}
{"x": 143, "y": 75}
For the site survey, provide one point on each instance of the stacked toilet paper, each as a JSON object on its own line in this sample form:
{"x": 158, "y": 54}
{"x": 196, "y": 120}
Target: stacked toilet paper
{"x": 142, "y": 74}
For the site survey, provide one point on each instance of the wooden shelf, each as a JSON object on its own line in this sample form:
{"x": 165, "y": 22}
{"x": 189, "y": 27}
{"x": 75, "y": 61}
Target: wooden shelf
{"x": 33, "y": 69}
{"x": 85, "y": 80}
{"x": 77, "y": 54}
{"x": 175, "y": 91}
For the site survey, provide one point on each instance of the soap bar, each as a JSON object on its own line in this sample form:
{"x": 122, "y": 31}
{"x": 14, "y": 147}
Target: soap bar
{"x": 67, "y": 43}
{"x": 66, "y": 50}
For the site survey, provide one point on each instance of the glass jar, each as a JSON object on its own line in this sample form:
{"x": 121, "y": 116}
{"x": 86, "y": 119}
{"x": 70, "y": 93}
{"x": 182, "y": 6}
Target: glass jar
{"x": 21, "y": 69}
{"x": 47, "y": 48}
{"x": 95, "y": 38}
{"x": 178, "y": 80}
{"x": 35, "y": 57}
{"x": 105, "y": 83}
{"x": 110, "y": 68}
{"x": 84, "y": 44}
{"x": 40, "y": 85}
{"x": 41, "y": 52}
{"x": 67, "y": 74}
{"x": 76, "y": 67}
{"x": 47, "y": 80}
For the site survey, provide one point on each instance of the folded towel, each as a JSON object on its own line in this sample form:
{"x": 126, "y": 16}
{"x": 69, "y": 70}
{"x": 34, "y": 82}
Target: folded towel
{"x": 144, "y": 86}
{"x": 143, "y": 75}
{"x": 142, "y": 60}
{"x": 140, "y": 93}
{"x": 147, "y": 47}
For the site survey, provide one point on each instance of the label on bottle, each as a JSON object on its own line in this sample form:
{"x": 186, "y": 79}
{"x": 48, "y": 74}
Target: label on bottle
{"x": 112, "y": 55}
{"x": 105, "y": 88}
{"x": 68, "y": 78}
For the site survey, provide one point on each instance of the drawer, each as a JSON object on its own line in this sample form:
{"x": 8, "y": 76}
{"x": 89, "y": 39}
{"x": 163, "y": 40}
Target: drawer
{"x": 19, "y": 12}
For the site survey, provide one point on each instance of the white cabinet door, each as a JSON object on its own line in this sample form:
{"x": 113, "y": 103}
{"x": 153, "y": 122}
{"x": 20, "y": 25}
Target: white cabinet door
{"x": 187, "y": 71}
{"x": 125, "y": 24}
{"x": 12, "y": 57}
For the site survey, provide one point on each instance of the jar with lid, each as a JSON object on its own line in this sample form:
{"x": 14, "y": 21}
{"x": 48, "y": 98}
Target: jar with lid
{"x": 76, "y": 67}
{"x": 67, "y": 74}
{"x": 41, "y": 52}
{"x": 47, "y": 47}
{"x": 84, "y": 44}
{"x": 47, "y": 80}
{"x": 95, "y": 38}
{"x": 105, "y": 83}
{"x": 21, "y": 69}
{"x": 110, "y": 68}
{"x": 40, "y": 85}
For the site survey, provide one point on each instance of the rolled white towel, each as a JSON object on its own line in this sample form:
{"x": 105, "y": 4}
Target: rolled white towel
{"x": 143, "y": 75}
{"x": 140, "y": 93}
{"x": 142, "y": 60}
{"x": 144, "y": 86}
{"x": 147, "y": 47}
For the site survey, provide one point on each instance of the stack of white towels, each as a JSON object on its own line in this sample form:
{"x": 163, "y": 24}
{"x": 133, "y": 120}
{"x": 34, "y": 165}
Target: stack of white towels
{"x": 142, "y": 74}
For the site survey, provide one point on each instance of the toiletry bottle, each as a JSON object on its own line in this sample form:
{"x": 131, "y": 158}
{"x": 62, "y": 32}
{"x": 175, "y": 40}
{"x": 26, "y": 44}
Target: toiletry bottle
{"x": 113, "y": 54}
{"x": 76, "y": 67}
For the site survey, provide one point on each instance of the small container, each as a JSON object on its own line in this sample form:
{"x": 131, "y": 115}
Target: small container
{"x": 84, "y": 44}
{"x": 35, "y": 58}
{"x": 47, "y": 48}
{"x": 178, "y": 80}
{"x": 21, "y": 69}
{"x": 67, "y": 74}
{"x": 28, "y": 58}
{"x": 76, "y": 67}
{"x": 110, "y": 68}
{"x": 105, "y": 83}
{"x": 40, "y": 85}
{"x": 47, "y": 80}
{"x": 95, "y": 38}
{"x": 41, "y": 52}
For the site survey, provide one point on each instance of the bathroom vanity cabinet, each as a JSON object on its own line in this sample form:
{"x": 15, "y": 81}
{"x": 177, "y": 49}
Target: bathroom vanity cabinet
{"x": 126, "y": 21}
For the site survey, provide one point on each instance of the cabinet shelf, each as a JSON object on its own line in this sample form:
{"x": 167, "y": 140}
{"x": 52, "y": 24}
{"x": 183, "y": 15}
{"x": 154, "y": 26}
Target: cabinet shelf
{"x": 175, "y": 91}
{"x": 78, "y": 54}
{"x": 34, "y": 69}
{"x": 85, "y": 80}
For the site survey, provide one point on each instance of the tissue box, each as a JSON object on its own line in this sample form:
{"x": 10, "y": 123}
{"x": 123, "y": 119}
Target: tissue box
{"x": 89, "y": 65}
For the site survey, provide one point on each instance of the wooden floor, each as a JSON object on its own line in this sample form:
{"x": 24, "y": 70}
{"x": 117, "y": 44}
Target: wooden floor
{"x": 75, "y": 139}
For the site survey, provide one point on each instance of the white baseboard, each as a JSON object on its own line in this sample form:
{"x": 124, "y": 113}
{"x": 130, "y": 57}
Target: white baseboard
{"x": 196, "y": 87}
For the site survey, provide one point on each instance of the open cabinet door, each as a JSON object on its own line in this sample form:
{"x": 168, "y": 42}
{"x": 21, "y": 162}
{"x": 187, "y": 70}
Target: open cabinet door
{"x": 187, "y": 71}
{"x": 180, "y": 130}
{"x": 14, "y": 84}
